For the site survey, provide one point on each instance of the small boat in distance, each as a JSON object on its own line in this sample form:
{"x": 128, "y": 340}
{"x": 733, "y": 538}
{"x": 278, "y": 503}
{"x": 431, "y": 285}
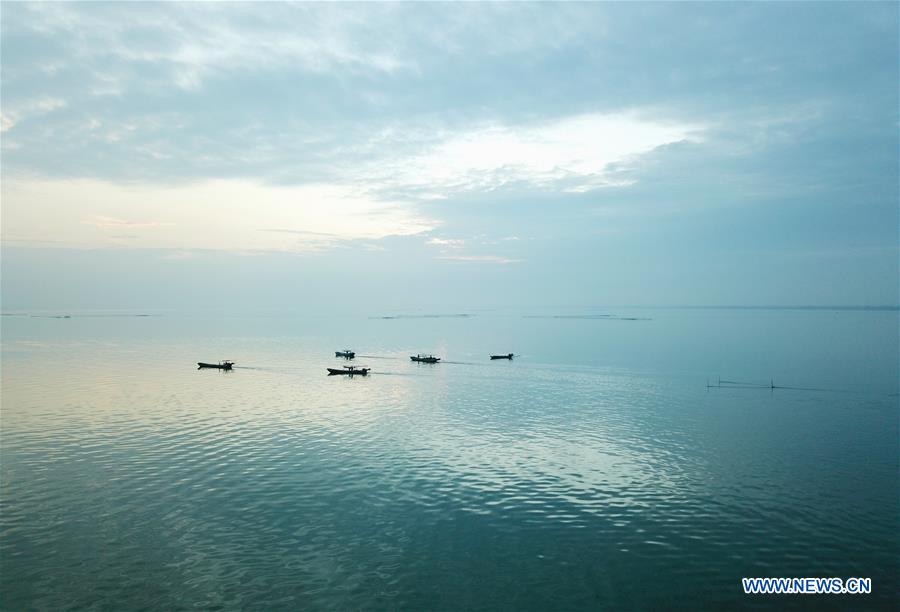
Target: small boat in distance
{"x": 425, "y": 358}
{"x": 222, "y": 365}
{"x": 507, "y": 356}
{"x": 348, "y": 370}
{"x": 347, "y": 353}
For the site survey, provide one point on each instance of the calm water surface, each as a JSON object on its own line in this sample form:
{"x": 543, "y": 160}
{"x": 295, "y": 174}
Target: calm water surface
{"x": 596, "y": 471}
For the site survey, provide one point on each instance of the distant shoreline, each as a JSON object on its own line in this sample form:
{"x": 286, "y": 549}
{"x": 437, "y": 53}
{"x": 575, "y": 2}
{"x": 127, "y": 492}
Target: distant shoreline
{"x": 834, "y": 307}
{"x": 102, "y": 312}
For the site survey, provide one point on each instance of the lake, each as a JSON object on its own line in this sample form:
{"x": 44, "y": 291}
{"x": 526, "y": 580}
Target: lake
{"x": 596, "y": 470}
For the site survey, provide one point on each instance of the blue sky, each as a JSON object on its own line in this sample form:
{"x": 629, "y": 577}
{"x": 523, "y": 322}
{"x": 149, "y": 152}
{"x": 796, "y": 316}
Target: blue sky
{"x": 270, "y": 154}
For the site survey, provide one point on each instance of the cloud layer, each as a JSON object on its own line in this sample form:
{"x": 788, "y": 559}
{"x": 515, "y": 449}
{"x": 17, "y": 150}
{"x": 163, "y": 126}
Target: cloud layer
{"x": 658, "y": 135}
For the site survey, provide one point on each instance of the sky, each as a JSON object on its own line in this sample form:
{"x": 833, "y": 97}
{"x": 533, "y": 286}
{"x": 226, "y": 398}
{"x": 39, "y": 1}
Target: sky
{"x": 419, "y": 155}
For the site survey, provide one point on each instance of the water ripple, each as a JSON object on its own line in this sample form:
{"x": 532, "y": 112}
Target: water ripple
{"x": 535, "y": 486}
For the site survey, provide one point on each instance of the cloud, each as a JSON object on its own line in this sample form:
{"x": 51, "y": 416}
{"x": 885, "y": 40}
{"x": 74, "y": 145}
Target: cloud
{"x": 451, "y": 249}
{"x": 497, "y": 259}
{"x": 297, "y": 127}
{"x": 572, "y": 154}
{"x": 29, "y": 109}
{"x": 302, "y": 93}
{"x": 105, "y": 223}
{"x": 447, "y": 242}
{"x": 224, "y": 214}
{"x": 300, "y": 232}
{"x": 195, "y": 42}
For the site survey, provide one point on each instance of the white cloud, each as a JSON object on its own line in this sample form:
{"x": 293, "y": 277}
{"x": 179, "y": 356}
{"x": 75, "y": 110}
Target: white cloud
{"x": 369, "y": 201}
{"x": 373, "y": 201}
{"x": 9, "y": 117}
{"x": 480, "y": 259}
{"x": 447, "y": 242}
{"x": 104, "y": 222}
{"x": 572, "y": 154}
{"x": 222, "y": 214}
{"x": 193, "y": 41}
{"x": 7, "y": 121}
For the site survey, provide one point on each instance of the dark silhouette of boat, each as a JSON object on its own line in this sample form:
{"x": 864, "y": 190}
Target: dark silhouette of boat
{"x": 222, "y": 365}
{"x": 507, "y": 356}
{"x": 347, "y": 353}
{"x": 349, "y": 371}
{"x": 425, "y": 358}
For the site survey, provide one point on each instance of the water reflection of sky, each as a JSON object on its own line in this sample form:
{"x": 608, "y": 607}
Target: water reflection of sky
{"x": 115, "y": 446}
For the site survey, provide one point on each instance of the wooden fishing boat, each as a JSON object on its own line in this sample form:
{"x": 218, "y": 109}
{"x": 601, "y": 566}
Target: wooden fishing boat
{"x": 425, "y": 358}
{"x": 222, "y": 365}
{"x": 348, "y": 370}
{"x": 346, "y": 353}
{"x": 507, "y": 356}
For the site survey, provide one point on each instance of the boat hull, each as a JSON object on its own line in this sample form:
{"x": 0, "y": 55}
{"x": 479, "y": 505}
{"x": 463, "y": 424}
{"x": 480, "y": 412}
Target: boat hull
{"x": 216, "y": 366}
{"x": 348, "y": 372}
{"x": 510, "y": 356}
{"x": 425, "y": 359}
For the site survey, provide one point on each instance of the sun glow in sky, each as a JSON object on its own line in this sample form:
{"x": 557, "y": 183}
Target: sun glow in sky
{"x": 738, "y": 155}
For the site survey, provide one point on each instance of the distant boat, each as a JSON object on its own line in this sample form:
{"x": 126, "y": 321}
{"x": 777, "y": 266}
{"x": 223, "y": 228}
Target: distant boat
{"x": 345, "y": 353}
{"x": 507, "y": 356}
{"x": 348, "y": 370}
{"x": 222, "y": 365}
{"x": 425, "y": 358}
